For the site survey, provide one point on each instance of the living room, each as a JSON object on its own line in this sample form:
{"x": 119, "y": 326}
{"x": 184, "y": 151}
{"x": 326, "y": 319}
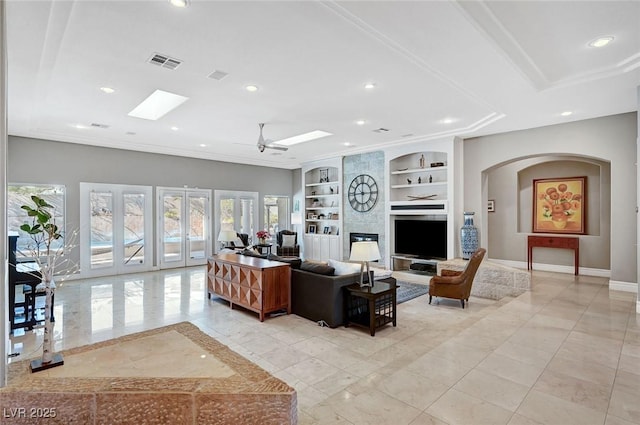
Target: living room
{"x": 494, "y": 153}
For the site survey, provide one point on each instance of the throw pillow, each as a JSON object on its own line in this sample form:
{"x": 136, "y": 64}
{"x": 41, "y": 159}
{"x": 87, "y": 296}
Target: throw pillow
{"x": 343, "y": 268}
{"x": 317, "y": 268}
{"x": 288, "y": 241}
{"x": 380, "y": 273}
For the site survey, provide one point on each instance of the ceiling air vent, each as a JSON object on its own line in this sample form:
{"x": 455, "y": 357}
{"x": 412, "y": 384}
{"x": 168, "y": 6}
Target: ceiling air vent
{"x": 165, "y": 61}
{"x": 96, "y": 125}
{"x": 381, "y": 130}
{"x": 217, "y": 75}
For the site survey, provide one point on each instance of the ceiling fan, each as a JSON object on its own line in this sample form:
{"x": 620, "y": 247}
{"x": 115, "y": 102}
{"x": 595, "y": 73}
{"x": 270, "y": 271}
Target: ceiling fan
{"x": 264, "y": 144}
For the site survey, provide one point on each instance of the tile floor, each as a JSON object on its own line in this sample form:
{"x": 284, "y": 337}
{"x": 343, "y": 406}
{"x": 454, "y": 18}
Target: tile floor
{"x": 568, "y": 352}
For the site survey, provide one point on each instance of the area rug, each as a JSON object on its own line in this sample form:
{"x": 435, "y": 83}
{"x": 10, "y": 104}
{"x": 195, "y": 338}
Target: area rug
{"x": 175, "y": 375}
{"x": 408, "y": 291}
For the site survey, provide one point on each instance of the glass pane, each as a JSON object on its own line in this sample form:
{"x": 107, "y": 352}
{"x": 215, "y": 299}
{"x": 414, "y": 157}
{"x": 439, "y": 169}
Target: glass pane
{"x": 246, "y": 217}
{"x": 19, "y": 195}
{"x": 101, "y": 204}
{"x": 197, "y": 226}
{"x": 227, "y": 215}
{"x": 133, "y": 228}
{"x": 172, "y": 240}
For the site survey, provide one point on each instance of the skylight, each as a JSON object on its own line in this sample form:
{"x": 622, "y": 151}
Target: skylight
{"x": 306, "y": 137}
{"x": 157, "y": 105}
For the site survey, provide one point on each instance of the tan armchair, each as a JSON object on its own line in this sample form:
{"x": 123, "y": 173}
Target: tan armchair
{"x": 456, "y": 284}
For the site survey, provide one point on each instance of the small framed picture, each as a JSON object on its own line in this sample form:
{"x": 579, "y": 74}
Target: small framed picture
{"x": 491, "y": 205}
{"x": 313, "y": 217}
{"x": 312, "y": 228}
{"x": 326, "y": 230}
{"x": 324, "y": 175}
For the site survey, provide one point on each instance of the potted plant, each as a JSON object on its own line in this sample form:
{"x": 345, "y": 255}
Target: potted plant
{"x": 48, "y": 254}
{"x": 263, "y": 235}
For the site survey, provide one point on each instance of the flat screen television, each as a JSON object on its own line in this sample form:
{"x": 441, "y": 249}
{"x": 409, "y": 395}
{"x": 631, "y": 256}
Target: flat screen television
{"x": 425, "y": 239}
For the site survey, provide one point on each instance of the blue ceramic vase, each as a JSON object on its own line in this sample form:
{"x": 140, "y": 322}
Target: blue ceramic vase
{"x": 468, "y": 236}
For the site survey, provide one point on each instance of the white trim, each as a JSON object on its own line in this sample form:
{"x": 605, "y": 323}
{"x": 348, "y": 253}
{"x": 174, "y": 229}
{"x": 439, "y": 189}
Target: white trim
{"x": 638, "y": 306}
{"x": 616, "y": 285}
{"x": 585, "y": 271}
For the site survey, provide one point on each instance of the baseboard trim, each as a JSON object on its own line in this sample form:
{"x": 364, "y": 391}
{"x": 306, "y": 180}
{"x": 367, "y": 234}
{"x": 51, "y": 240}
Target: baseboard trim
{"x": 616, "y": 285}
{"x": 586, "y": 271}
{"x": 638, "y": 307}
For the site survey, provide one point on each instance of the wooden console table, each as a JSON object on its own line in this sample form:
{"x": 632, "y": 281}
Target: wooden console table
{"x": 553, "y": 242}
{"x": 256, "y": 284}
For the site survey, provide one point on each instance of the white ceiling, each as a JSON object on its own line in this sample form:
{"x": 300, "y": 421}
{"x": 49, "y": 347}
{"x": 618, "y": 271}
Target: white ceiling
{"x": 490, "y": 66}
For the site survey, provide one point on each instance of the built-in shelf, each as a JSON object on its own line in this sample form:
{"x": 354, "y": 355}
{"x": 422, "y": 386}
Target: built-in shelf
{"x": 321, "y": 237}
{"x": 419, "y": 170}
{"x": 411, "y": 185}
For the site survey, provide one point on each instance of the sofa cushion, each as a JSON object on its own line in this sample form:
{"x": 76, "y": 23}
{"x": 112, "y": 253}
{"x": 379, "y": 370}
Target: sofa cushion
{"x": 342, "y": 268}
{"x": 317, "y": 268}
{"x": 294, "y": 262}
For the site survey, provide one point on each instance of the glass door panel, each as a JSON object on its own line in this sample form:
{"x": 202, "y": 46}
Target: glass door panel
{"x": 172, "y": 228}
{"x": 119, "y": 219}
{"x": 101, "y": 206}
{"x": 134, "y": 223}
{"x": 198, "y": 225}
{"x": 184, "y": 223}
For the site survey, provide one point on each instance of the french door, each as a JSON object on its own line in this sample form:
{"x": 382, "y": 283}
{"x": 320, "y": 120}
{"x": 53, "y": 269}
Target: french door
{"x": 184, "y": 223}
{"x": 116, "y": 223}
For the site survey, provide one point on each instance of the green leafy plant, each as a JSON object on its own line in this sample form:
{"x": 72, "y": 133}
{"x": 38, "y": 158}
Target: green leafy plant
{"x": 43, "y": 231}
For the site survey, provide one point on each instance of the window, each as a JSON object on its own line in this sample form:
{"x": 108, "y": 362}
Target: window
{"x": 276, "y": 213}
{"x": 19, "y": 195}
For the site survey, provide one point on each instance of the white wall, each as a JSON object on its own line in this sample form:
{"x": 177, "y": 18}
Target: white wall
{"x": 611, "y": 139}
{"x": 4, "y": 305}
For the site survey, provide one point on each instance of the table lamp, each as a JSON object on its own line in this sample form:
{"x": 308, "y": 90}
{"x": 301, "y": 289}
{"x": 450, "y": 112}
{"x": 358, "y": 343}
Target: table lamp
{"x": 226, "y": 236}
{"x": 365, "y": 251}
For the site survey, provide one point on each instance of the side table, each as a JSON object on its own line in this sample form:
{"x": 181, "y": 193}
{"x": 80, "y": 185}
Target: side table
{"x": 265, "y": 248}
{"x": 370, "y": 307}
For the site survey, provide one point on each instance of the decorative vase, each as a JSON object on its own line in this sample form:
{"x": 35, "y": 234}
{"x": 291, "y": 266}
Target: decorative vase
{"x": 468, "y": 236}
{"x": 262, "y": 241}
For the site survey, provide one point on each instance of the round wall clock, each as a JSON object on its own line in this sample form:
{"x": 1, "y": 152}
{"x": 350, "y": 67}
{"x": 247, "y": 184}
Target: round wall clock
{"x": 363, "y": 193}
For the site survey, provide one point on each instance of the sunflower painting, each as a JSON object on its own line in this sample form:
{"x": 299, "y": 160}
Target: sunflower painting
{"x": 559, "y": 205}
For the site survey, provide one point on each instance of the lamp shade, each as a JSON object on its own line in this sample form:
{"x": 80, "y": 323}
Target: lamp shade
{"x": 227, "y": 236}
{"x": 365, "y": 251}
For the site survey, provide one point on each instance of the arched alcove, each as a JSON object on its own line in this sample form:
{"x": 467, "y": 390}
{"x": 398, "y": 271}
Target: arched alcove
{"x": 510, "y": 186}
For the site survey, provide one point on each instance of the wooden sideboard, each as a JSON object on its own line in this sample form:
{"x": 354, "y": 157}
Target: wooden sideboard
{"x": 256, "y": 284}
{"x": 553, "y": 242}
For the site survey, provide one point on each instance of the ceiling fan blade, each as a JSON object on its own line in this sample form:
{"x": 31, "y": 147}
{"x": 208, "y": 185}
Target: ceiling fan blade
{"x": 279, "y": 148}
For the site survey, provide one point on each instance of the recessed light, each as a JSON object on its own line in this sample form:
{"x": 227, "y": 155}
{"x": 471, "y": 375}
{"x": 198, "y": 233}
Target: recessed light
{"x": 174, "y": 128}
{"x": 80, "y": 126}
{"x": 107, "y": 90}
{"x": 179, "y": 3}
{"x": 347, "y": 144}
{"x": 447, "y": 120}
{"x": 566, "y": 113}
{"x": 312, "y": 135}
{"x": 202, "y": 145}
{"x": 601, "y": 41}
{"x": 157, "y": 105}
{"x": 251, "y": 88}
{"x": 360, "y": 122}
{"x": 369, "y": 86}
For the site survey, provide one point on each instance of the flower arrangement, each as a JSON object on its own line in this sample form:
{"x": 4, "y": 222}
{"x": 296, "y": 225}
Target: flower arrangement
{"x": 559, "y": 204}
{"x": 263, "y": 234}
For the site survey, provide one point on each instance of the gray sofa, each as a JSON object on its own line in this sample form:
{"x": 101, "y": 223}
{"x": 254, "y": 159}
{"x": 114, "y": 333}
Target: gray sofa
{"x": 317, "y": 296}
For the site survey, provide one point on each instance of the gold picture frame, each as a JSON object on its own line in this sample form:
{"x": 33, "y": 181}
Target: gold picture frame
{"x": 559, "y": 205}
